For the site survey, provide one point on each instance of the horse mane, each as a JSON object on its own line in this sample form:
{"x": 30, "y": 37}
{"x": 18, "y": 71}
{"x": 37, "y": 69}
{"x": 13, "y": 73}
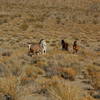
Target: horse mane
{"x": 41, "y": 41}
{"x": 75, "y": 43}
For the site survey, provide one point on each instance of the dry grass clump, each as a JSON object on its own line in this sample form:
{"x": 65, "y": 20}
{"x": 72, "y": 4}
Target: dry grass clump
{"x": 6, "y": 54}
{"x": 88, "y": 98}
{"x": 60, "y": 89}
{"x": 25, "y": 80}
{"x": 94, "y": 73}
{"x": 24, "y": 27}
{"x": 2, "y": 21}
{"x": 51, "y": 62}
{"x": 30, "y": 70}
{"x": 64, "y": 91}
{"x": 42, "y": 63}
{"x": 44, "y": 82}
{"x": 9, "y": 86}
{"x": 30, "y": 73}
{"x": 70, "y": 72}
{"x": 38, "y": 26}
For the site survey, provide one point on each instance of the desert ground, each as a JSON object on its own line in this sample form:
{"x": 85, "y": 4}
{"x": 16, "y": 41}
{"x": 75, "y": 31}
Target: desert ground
{"x": 58, "y": 74}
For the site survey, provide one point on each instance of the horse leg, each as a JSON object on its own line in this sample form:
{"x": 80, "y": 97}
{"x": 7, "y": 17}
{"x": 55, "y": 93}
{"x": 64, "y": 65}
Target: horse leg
{"x": 38, "y": 54}
{"x": 29, "y": 53}
{"x": 76, "y": 50}
{"x": 73, "y": 50}
{"x": 44, "y": 51}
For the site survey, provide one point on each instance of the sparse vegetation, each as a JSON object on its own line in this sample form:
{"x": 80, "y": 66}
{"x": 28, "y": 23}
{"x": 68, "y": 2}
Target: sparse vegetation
{"x": 65, "y": 92}
{"x": 94, "y": 73}
{"x": 24, "y": 27}
{"x": 8, "y": 86}
{"x": 59, "y": 74}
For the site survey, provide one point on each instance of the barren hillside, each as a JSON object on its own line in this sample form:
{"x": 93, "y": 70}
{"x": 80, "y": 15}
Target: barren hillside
{"x": 57, "y": 75}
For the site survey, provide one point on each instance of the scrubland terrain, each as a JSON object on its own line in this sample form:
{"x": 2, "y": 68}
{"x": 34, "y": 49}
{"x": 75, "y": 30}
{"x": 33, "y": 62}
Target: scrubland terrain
{"x": 57, "y": 75}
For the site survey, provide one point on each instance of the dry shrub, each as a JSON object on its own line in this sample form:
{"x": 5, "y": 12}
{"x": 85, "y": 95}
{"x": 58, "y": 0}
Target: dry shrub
{"x": 6, "y": 54}
{"x": 44, "y": 82}
{"x": 59, "y": 89}
{"x": 9, "y": 86}
{"x": 42, "y": 63}
{"x": 70, "y": 72}
{"x": 2, "y": 21}
{"x": 94, "y": 73}
{"x": 38, "y": 26}
{"x": 52, "y": 81}
{"x": 55, "y": 78}
{"x": 47, "y": 82}
{"x": 64, "y": 91}
{"x": 33, "y": 70}
{"x": 24, "y": 27}
{"x": 30, "y": 73}
{"x": 24, "y": 80}
{"x": 88, "y": 98}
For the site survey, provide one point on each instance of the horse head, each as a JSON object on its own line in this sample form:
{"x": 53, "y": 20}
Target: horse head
{"x": 62, "y": 41}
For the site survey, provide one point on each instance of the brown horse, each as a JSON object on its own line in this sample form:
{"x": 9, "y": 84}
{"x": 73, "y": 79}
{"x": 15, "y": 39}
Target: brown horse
{"x": 75, "y": 47}
{"x": 39, "y": 48}
{"x": 64, "y": 45}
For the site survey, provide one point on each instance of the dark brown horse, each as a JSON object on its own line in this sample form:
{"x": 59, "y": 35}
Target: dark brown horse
{"x": 64, "y": 45}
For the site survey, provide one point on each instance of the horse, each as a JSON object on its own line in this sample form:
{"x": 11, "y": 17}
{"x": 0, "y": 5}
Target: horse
{"x": 75, "y": 47}
{"x": 43, "y": 44}
{"x": 64, "y": 45}
{"x": 38, "y": 48}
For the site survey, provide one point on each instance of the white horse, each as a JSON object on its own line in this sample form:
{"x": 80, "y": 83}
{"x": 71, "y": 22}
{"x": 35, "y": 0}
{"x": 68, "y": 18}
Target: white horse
{"x": 39, "y": 48}
{"x": 43, "y": 44}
